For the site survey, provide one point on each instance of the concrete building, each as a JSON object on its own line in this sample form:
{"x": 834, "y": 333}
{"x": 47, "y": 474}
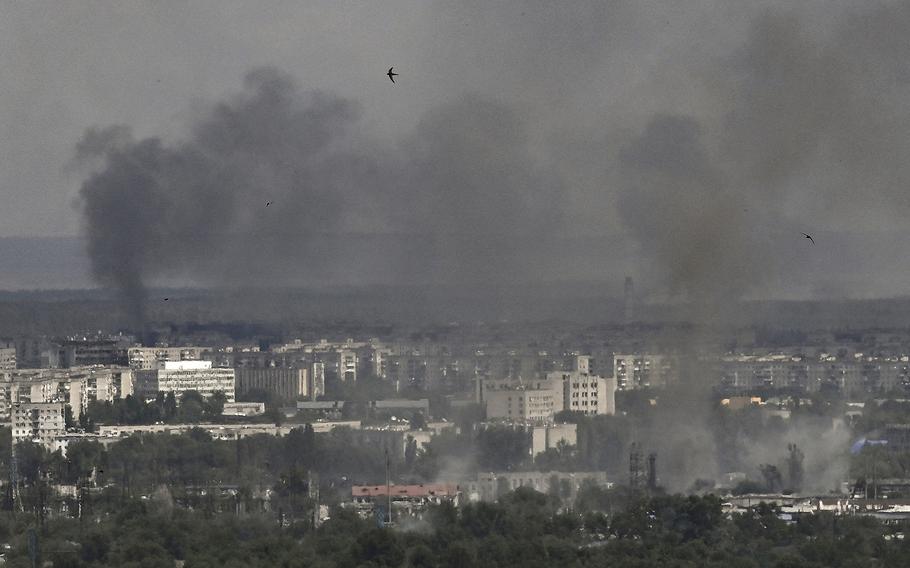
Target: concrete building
{"x": 588, "y": 394}
{"x": 634, "y": 371}
{"x": 147, "y": 358}
{"x": 222, "y": 431}
{"x": 75, "y": 387}
{"x": 493, "y": 485}
{"x": 549, "y": 436}
{"x": 38, "y": 353}
{"x": 243, "y": 409}
{"x": 539, "y": 400}
{"x": 523, "y": 404}
{"x": 401, "y": 406}
{"x": 182, "y": 376}
{"x": 7, "y": 355}
{"x": 406, "y": 500}
{"x": 321, "y": 407}
{"x": 289, "y": 384}
{"x": 317, "y": 380}
{"x": 41, "y": 423}
{"x": 81, "y": 351}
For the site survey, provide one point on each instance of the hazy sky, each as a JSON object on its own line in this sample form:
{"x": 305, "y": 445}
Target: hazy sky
{"x": 698, "y": 128}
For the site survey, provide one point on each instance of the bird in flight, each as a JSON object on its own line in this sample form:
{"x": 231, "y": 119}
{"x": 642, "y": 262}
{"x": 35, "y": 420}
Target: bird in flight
{"x": 808, "y": 236}
{"x": 267, "y": 203}
{"x": 392, "y": 74}
{"x": 165, "y": 299}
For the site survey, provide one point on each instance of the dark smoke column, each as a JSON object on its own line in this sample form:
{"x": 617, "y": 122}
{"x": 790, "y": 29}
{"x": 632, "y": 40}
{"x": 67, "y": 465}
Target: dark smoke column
{"x": 122, "y": 207}
{"x": 195, "y": 208}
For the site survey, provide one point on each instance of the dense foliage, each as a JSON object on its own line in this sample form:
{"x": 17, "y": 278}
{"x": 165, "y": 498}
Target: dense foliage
{"x": 523, "y": 529}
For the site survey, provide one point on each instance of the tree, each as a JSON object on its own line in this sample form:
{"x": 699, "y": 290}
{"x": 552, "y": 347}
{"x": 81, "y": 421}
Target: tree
{"x": 410, "y": 452}
{"x": 795, "y": 472}
{"x": 191, "y": 406}
{"x": 213, "y": 407}
{"x": 86, "y": 422}
{"x": 300, "y": 447}
{"x": 170, "y": 407}
{"x": 68, "y": 421}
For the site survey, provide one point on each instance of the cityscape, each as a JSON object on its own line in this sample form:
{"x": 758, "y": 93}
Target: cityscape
{"x": 430, "y": 284}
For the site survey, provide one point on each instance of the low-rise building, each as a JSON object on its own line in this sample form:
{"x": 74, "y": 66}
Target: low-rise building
{"x": 406, "y": 500}
{"x": 493, "y": 485}
{"x": 243, "y": 409}
{"x": 550, "y": 436}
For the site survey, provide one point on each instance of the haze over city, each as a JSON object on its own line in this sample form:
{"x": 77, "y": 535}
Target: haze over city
{"x": 454, "y": 284}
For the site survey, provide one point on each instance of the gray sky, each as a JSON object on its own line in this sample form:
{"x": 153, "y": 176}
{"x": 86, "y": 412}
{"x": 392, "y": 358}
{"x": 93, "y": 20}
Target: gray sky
{"x": 790, "y": 116}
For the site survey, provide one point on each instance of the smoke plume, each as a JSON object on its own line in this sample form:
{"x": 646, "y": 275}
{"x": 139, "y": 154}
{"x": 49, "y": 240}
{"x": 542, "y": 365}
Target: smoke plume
{"x": 711, "y": 136}
{"x": 269, "y": 180}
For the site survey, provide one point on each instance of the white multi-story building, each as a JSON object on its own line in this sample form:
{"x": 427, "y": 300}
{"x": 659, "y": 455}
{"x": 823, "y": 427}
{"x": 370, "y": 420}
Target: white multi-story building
{"x": 181, "y": 376}
{"x": 523, "y": 404}
{"x": 588, "y": 394}
{"x": 38, "y": 422}
{"x": 147, "y": 358}
{"x": 540, "y": 399}
{"x": 76, "y": 387}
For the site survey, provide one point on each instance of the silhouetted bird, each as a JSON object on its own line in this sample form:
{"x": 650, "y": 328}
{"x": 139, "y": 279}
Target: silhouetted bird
{"x": 267, "y": 203}
{"x": 808, "y": 237}
{"x": 166, "y": 299}
{"x": 391, "y": 74}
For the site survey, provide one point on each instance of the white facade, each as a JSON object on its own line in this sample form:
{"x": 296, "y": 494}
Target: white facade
{"x": 40, "y": 423}
{"x": 181, "y": 376}
{"x": 588, "y": 394}
{"x": 540, "y": 399}
{"x": 148, "y": 358}
{"x": 549, "y": 436}
{"x": 76, "y": 387}
{"x": 525, "y": 405}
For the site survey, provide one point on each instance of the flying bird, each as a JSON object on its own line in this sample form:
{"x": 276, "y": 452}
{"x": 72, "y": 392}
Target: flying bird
{"x": 391, "y": 74}
{"x": 166, "y": 299}
{"x": 808, "y": 236}
{"x": 267, "y": 203}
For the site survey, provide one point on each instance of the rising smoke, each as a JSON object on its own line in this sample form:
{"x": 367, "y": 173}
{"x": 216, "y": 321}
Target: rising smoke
{"x": 711, "y": 156}
{"x": 269, "y": 178}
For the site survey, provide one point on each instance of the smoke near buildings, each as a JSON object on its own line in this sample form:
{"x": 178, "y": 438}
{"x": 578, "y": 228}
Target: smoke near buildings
{"x": 710, "y": 150}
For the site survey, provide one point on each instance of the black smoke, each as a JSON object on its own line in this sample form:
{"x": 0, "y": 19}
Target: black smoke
{"x": 269, "y": 182}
